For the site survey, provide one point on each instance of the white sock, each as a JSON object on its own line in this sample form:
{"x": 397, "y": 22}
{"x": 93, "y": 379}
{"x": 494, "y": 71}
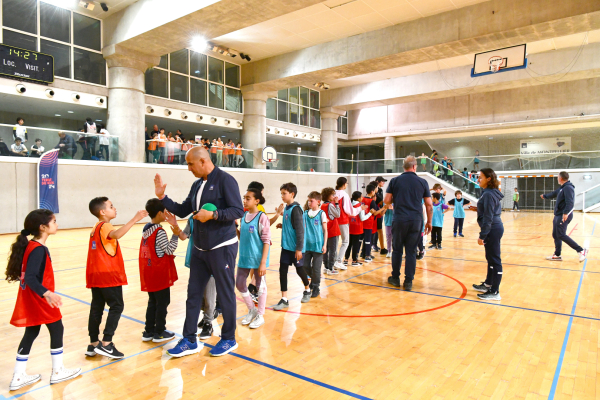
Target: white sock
{"x": 57, "y": 358}
{"x": 284, "y": 298}
{"x": 21, "y": 364}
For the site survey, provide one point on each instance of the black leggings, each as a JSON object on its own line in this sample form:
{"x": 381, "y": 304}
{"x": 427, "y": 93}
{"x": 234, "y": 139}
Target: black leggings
{"x": 354, "y": 246}
{"x": 283, "y": 274}
{"x": 56, "y": 330}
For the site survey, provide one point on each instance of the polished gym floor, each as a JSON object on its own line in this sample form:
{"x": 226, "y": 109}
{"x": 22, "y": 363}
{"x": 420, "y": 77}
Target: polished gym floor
{"x": 361, "y": 338}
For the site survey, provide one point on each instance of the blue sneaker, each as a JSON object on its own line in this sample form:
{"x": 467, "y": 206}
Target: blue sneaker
{"x": 461, "y": 235}
{"x": 184, "y": 348}
{"x": 223, "y": 347}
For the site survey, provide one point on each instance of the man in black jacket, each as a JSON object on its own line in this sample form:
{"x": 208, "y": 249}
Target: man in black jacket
{"x": 66, "y": 146}
{"x": 563, "y": 214}
{"x": 215, "y": 247}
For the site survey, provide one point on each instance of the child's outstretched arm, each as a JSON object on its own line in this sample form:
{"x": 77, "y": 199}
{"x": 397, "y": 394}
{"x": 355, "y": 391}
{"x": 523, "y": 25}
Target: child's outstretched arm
{"x": 324, "y": 249}
{"x": 119, "y": 233}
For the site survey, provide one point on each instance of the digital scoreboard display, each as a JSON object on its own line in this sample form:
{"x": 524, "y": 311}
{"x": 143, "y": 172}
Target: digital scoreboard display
{"x": 26, "y": 64}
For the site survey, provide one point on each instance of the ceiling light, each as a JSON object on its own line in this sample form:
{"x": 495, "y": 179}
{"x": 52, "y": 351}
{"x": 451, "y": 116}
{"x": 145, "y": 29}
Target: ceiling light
{"x": 490, "y": 138}
{"x": 104, "y": 7}
{"x": 199, "y": 43}
{"x": 587, "y": 177}
{"x": 70, "y": 112}
{"x": 57, "y": 115}
{"x": 223, "y": 136}
{"x": 98, "y": 120}
{"x": 417, "y": 141}
{"x": 457, "y": 141}
{"x": 321, "y": 85}
{"x": 206, "y": 130}
{"x": 87, "y": 4}
{"x": 530, "y": 136}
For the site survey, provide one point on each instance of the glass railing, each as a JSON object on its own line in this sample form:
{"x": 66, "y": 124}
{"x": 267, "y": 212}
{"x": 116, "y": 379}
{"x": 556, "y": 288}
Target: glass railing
{"x": 298, "y": 162}
{"x": 71, "y": 144}
{"x": 167, "y": 152}
{"x": 591, "y": 198}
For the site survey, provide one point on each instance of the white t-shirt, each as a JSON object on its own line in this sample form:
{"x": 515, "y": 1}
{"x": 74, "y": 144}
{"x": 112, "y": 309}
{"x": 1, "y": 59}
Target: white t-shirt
{"x": 18, "y": 149}
{"x": 20, "y": 132}
{"x": 103, "y": 139}
{"x": 40, "y": 149}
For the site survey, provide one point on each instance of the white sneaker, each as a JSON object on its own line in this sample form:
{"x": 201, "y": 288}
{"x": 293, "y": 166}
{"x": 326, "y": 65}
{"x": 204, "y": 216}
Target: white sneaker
{"x": 554, "y": 257}
{"x": 21, "y": 380}
{"x": 340, "y": 266}
{"x": 583, "y": 255}
{"x": 331, "y": 272}
{"x": 62, "y": 374}
{"x": 258, "y": 321}
{"x": 250, "y": 316}
{"x": 388, "y": 255}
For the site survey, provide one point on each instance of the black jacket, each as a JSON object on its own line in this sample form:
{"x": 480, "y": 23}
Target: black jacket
{"x": 222, "y": 190}
{"x": 565, "y": 198}
{"x": 488, "y": 211}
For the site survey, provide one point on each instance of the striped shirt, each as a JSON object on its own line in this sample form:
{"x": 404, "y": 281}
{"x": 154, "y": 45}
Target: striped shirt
{"x": 163, "y": 245}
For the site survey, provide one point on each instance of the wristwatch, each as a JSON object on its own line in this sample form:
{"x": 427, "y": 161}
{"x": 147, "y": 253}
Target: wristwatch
{"x": 215, "y": 215}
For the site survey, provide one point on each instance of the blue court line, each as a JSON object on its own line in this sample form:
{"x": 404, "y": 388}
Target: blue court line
{"x": 521, "y": 265}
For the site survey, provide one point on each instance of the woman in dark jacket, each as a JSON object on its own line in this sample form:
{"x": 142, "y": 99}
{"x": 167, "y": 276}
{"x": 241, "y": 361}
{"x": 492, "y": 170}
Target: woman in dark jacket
{"x": 488, "y": 217}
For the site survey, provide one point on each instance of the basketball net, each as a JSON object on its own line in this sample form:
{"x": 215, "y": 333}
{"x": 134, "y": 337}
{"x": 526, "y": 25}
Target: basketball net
{"x": 495, "y": 64}
{"x": 274, "y": 162}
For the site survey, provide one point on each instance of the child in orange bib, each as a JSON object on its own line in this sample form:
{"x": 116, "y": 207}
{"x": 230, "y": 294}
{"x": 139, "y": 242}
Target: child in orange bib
{"x": 157, "y": 270}
{"x": 30, "y": 264}
{"x": 105, "y": 276}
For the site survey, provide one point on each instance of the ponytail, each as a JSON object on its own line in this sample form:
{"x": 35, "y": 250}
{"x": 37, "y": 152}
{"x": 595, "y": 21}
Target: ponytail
{"x": 32, "y": 224}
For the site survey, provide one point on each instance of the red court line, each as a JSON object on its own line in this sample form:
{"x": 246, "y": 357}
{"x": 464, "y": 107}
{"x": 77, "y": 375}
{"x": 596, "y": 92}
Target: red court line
{"x": 462, "y": 296}
{"x": 575, "y": 227}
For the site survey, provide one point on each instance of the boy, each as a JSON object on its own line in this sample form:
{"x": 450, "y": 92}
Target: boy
{"x": 19, "y": 131}
{"x": 315, "y": 241}
{"x": 37, "y": 149}
{"x": 18, "y": 148}
{"x": 437, "y": 188}
{"x": 465, "y": 173}
{"x": 292, "y": 244}
{"x": 331, "y": 208}
{"x": 516, "y": 200}
{"x": 437, "y": 221}
{"x": 459, "y": 212}
{"x": 368, "y": 224}
{"x": 157, "y": 270}
{"x": 105, "y": 275}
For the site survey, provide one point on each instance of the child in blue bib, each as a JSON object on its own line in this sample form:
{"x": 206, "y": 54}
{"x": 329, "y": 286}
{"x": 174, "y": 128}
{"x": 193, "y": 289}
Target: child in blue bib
{"x": 315, "y": 240}
{"x": 458, "y": 202}
{"x": 437, "y": 221}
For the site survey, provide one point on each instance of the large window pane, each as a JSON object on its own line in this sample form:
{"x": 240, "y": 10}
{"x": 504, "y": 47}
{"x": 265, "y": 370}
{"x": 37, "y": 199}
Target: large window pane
{"x": 232, "y": 75}
{"x": 198, "y": 89}
{"x": 55, "y": 23}
{"x": 293, "y": 113}
{"x": 282, "y": 111}
{"x": 19, "y": 40}
{"x": 233, "y": 100}
{"x": 179, "y": 61}
{"x": 215, "y": 70}
{"x": 304, "y": 116}
{"x": 20, "y": 14}
{"x": 271, "y": 108}
{"x": 89, "y": 67}
{"x": 164, "y": 62}
{"x": 315, "y": 119}
{"x": 86, "y": 32}
{"x": 345, "y": 125}
{"x": 304, "y": 96}
{"x": 282, "y": 94}
{"x": 215, "y": 95}
{"x": 179, "y": 87}
{"x": 198, "y": 65}
{"x": 294, "y": 95}
{"x": 156, "y": 82}
{"x": 314, "y": 99}
{"x": 62, "y": 57}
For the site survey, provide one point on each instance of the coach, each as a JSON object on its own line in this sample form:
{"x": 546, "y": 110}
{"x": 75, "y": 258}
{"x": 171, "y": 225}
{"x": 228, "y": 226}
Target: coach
{"x": 215, "y": 247}
{"x": 407, "y": 192}
{"x": 563, "y": 214}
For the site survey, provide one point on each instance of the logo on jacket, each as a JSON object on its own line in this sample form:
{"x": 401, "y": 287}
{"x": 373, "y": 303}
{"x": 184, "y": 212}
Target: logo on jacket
{"x": 93, "y": 245}
{"x": 251, "y": 229}
{"x": 226, "y": 266}
{"x": 211, "y": 187}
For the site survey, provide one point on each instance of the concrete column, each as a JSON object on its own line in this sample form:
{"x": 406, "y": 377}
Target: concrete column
{"x": 126, "y": 103}
{"x": 389, "y": 151}
{"x": 254, "y": 132}
{"x": 329, "y": 139}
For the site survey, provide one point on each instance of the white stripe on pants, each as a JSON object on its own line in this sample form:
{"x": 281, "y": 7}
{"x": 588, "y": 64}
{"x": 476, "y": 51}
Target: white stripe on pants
{"x": 345, "y": 231}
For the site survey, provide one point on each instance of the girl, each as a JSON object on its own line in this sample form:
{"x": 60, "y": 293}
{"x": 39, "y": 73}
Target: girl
{"x": 30, "y": 264}
{"x": 332, "y": 210}
{"x": 238, "y": 155}
{"x": 489, "y": 208}
{"x": 255, "y": 239}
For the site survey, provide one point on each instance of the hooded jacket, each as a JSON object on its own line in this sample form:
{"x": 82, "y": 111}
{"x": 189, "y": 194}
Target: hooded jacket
{"x": 488, "y": 211}
{"x": 565, "y": 198}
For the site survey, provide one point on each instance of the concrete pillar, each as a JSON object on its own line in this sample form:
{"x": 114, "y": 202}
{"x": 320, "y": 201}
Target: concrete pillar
{"x": 126, "y": 102}
{"x": 329, "y": 139}
{"x": 254, "y": 132}
{"x": 389, "y": 151}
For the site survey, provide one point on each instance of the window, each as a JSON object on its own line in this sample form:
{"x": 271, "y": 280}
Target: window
{"x": 293, "y": 93}
{"x": 234, "y": 100}
{"x": 20, "y": 40}
{"x": 282, "y": 111}
{"x": 342, "y": 125}
{"x": 215, "y": 95}
{"x": 89, "y": 67}
{"x": 296, "y": 105}
{"x": 179, "y": 87}
{"x": 62, "y": 57}
{"x": 179, "y": 61}
{"x": 232, "y": 75}
{"x": 293, "y": 113}
{"x": 164, "y": 62}
{"x": 55, "y": 23}
{"x": 198, "y": 65}
{"x": 271, "y": 109}
{"x": 215, "y": 70}
{"x": 314, "y": 99}
{"x": 20, "y": 15}
{"x": 198, "y": 91}
{"x": 86, "y": 32}
{"x": 303, "y": 96}
{"x": 315, "y": 119}
{"x": 156, "y": 82}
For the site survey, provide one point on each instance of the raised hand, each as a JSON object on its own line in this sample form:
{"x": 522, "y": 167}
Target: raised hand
{"x": 279, "y": 210}
{"x": 159, "y": 187}
{"x": 171, "y": 219}
{"x": 140, "y": 215}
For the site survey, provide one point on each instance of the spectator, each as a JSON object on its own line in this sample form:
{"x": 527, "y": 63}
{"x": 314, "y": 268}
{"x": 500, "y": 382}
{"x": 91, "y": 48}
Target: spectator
{"x": 19, "y": 131}
{"x": 3, "y": 148}
{"x": 37, "y": 149}
{"x": 147, "y": 137}
{"x": 238, "y": 155}
{"x": 66, "y": 146}
{"x": 213, "y": 151}
{"x": 162, "y": 146}
{"x": 178, "y": 146}
{"x": 231, "y": 152}
{"x": 88, "y": 142}
{"x": 423, "y": 160}
{"x": 476, "y": 161}
{"x": 152, "y": 147}
{"x": 18, "y": 148}
{"x": 170, "y": 148}
{"x": 104, "y": 142}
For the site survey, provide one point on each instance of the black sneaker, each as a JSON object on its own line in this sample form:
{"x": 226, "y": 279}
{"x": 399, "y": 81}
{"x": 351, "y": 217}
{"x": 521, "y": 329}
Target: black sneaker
{"x": 439, "y": 247}
{"x": 252, "y": 289}
{"x": 345, "y": 262}
{"x": 163, "y": 337}
{"x": 254, "y": 298}
{"x": 489, "y": 295}
{"x": 281, "y": 305}
{"x": 216, "y": 313}
{"x": 394, "y": 281}
{"x": 481, "y": 288}
{"x": 201, "y": 324}
{"x": 109, "y": 351}
{"x": 376, "y": 248}
{"x": 407, "y": 285}
{"x": 383, "y": 252}
{"x": 420, "y": 255}
{"x": 207, "y": 331}
{"x": 433, "y": 246}
{"x": 315, "y": 293}
{"x": 146, "y": 336}
{"x": 90, "y": 351}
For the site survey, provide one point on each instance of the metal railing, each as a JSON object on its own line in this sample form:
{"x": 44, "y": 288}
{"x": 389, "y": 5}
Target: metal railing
{"x": 299, "y": 162}
{"x": 160, "y": 151}
{"x": 591, "y": 198}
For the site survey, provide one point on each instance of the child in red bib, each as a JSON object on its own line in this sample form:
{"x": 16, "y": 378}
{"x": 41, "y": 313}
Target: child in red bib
{"x": 331, "y": 208}
{"x": 30, "y": 264}
{"x": 157, "y": 270}
{"x": 105, "y": 276}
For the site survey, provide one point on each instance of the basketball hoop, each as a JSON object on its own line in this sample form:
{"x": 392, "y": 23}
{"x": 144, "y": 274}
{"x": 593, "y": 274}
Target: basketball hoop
{"x": 274, "y": 162}
{"x": 496, "y": 62}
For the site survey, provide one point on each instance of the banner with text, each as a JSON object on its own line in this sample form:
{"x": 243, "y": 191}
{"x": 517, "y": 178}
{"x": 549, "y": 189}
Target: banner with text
{"x": 47, "y": 181}
{"x": 554, "y": 145}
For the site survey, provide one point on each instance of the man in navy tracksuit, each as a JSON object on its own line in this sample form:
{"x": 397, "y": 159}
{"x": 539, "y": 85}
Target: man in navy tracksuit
{"x": 563, "y": 214}
{"x": 215, "y": 247}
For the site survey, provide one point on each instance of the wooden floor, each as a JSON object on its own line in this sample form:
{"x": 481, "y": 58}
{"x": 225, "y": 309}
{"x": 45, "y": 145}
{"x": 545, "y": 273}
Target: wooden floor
{"x": 361, "y": 338}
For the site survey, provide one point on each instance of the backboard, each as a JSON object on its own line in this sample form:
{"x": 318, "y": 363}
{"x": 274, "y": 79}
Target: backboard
{"x": 500, "y": 60}
{"x": 269, "y": 154}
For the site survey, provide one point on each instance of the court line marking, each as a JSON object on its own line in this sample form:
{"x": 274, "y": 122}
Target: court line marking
{"x": 575, "y": 227}
{"x": 519, "y": 265}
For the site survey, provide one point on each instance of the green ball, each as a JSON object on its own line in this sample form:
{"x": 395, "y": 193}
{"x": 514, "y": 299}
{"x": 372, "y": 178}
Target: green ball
{"x": 209, "y": 207}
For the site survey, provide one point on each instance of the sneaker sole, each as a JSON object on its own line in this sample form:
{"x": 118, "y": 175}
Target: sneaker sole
{"x": 256, "y": 326}
{"x": 187, "y": 352}
{"x": 554, "y": 259}
{"x": 495, "y": 299}
{"x": 105, "y": 354}
{"x": 39, "y": 378}
{"x": 480, "y": 290}
{"x": 66, "y": 378}
{"x": 205, "y": 337}
{"x": 143, "y": 340}
{"x": 90, "y": 354}
{"x": 280, "y": 308}
{"x": 163, "y": 339}
{"x": 305, "y": 300}
{"x": 226, "y": 352}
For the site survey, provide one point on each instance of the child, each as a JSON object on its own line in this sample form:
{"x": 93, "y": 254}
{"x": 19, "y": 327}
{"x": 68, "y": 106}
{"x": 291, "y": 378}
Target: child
{"x": 356, "y": 229}
{"x": 438, "y": 189}
{"x": 19, "y": 131}
{"x": 157, "y": 270}
{"x": 465, "y": 174}
{"x": 423, "y": 239}
{"x": 105, "y": 275}
{"x": 255, "y": 240}
{"x": 388, "y": 218}
{"x": 516, "y": 200}
{"x": 459, "y": 212}
{"x": 368, "y": 224}
{"x": 29, "y": 263}
{"x": 437, "y": 221}
{"x": 19, "y": 148}
{"x": 315, "y": 240}
{"x": 423, "y": 158}
{"x": 474, "y": 177}
{"x": 331, "y": 208}
{"x": 292, "y": 244}
{"x": 37, "y": 149}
